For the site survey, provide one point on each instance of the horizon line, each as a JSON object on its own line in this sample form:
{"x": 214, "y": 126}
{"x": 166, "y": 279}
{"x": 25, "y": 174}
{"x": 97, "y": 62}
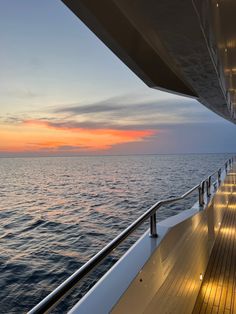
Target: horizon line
{"x": 120, "y": 155}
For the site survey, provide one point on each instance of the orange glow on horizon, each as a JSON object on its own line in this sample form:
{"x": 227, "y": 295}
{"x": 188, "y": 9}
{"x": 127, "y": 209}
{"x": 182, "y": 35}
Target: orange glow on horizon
{"x": 39, "y": 136}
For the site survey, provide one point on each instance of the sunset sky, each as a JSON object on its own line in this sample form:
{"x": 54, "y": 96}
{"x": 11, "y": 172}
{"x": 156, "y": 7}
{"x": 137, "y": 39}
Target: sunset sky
{"x": 63, "y": 92}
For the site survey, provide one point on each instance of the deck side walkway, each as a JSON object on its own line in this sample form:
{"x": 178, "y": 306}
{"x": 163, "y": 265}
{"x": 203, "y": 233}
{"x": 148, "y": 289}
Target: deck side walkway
{"x": 218, "y": 290}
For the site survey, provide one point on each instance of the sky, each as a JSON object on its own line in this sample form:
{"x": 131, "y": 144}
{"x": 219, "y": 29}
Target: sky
{"x": 64, "y": 93}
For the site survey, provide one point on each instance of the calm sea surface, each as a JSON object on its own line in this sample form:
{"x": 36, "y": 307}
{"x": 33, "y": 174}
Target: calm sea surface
{"x": 58, "y": 212}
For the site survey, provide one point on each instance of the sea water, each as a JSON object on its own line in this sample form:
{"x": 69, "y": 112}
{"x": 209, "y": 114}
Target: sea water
{"x": 57, "y": 212}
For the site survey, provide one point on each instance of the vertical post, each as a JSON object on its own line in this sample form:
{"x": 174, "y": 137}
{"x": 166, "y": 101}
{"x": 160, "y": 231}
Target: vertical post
{"x": 201, "y": 194}
{"x": 226, "y": 167}
{"x": 203, "y": 188}
{"x": 153, "y": 226}
{"x": 209, "y": 186}
{"x": 219, "y": 176}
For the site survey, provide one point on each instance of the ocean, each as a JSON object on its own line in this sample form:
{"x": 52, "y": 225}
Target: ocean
{"x": 57, "y": 212}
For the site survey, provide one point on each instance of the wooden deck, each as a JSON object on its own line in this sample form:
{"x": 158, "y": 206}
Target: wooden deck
{"x": 202, "y": 245}
{"x": 218, "y": 290}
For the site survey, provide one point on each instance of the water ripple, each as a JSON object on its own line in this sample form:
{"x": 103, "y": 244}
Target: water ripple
{"x": 57, "y": 212}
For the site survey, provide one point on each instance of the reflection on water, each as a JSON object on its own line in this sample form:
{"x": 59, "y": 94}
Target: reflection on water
{"x": 57, "y": 212}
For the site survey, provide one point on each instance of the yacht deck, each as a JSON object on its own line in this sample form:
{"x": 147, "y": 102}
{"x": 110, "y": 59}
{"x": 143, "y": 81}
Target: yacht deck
{"x": 164, "y": 274}
{"x": 218, "y": 290}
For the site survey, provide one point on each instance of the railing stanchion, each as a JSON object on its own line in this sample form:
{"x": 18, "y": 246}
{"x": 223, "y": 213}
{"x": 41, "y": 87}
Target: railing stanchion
{"x": 153, "y": 226}
{"x": 201, "y": 194}
{"x": 209, "y": 186}
{"x": 219, "y": 176}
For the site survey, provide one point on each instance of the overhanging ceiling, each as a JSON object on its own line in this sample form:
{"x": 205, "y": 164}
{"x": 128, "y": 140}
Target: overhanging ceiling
{"x": 186, "y": 47}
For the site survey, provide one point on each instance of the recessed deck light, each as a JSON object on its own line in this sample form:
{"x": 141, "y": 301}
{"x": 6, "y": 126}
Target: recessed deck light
{"x": 217, "y": 5}
{"x": 201, "y": 277}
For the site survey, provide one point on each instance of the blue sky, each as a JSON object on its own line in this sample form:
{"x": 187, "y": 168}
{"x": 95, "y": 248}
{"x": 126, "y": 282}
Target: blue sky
{"x": 63, "y": 92}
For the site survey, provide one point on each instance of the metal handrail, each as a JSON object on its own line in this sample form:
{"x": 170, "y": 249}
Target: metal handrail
{"x": 55, "y": 296}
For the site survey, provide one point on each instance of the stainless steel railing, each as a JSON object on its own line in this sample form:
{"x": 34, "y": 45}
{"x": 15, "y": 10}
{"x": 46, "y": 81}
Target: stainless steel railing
{"x": 204, "y": 189}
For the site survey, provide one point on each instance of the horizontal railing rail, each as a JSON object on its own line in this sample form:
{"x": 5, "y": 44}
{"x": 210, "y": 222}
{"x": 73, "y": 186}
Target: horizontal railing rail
{"x": 204, "y": 189}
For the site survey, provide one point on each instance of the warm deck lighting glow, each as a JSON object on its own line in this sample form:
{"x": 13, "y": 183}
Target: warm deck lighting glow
{"x": 232, "y": 206}
{"x": 207, "y": 288}
{"x": 201, "y": 277}
{"x": 227, "y": 231}
{"x": 220, "y": 206}
{"x": 226, "y": 193}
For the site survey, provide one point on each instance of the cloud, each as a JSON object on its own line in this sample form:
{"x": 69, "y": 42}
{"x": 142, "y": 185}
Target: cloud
{"x": 70, "y": 148}
{"x": 73, "y": 126}
{"x": 107, "y": 105}
{"x": 110, "y": 125}
{"x": 87, "y": 109}
{"x": 125, "y": 110}
{"x": 57, "y": 137}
